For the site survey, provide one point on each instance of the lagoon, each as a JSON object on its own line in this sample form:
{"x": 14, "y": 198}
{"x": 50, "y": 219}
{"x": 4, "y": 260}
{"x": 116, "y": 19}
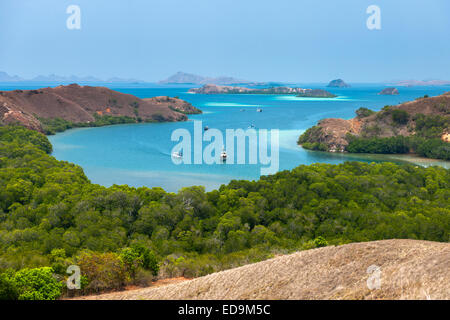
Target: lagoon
{"x": 140, "y": 154}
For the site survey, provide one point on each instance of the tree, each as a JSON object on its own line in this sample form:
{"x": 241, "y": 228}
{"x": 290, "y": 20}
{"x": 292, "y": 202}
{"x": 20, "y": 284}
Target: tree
{"x": 37, "y": 284}
{"x": 8, "y": 288}
{"x": 400, "y": 116}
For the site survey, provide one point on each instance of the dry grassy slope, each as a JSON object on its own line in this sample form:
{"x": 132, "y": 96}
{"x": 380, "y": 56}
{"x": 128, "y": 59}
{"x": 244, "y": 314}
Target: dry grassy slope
{"x": 410, "y": 269}
{"x": 79, "y": 103}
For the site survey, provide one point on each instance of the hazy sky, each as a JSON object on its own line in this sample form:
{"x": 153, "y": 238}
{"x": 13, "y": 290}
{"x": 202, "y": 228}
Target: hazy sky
{"x": 279, "y": 40}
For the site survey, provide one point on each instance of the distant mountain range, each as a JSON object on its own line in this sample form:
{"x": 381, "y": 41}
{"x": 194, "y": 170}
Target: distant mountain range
{"x": 4, "y": 77}
{"x": 412, "y": 83}
{"x": 188, "y": 78}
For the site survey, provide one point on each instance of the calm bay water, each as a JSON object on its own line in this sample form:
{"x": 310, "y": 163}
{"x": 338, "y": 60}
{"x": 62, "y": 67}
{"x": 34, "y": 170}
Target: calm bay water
{"x": 140, "y": 154}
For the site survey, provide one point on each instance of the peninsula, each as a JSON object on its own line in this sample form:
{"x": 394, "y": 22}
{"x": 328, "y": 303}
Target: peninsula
{"x": 420, "y": 127}
{"x": 50, "y": 110}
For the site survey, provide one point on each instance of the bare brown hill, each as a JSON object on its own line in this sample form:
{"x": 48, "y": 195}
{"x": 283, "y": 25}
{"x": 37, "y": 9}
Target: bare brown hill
{"x": 409, "y": 269}
{"x": 332, "y": 132}
{"x": 79, "y": 104}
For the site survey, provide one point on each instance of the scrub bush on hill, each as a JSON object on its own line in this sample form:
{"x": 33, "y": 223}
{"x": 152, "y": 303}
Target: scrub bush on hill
{"x": 51, "y": 215}
{"x": 364, "y": 112}
{"x": 400, "y": 116}
{"x": 103, "y": 271}
{"x": 8, "y": 288}
{"x": 32, "y": 284}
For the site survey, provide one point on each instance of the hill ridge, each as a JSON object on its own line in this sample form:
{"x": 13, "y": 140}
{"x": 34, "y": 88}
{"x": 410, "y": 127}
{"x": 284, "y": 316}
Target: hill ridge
{"x": 410, "y": 269}
{"x": 82, "y": 104}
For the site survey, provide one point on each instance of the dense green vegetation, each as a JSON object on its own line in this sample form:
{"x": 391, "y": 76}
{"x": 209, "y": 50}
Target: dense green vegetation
{"x": 391, "y": 145}
{"x": 317, "y": 146}
{"x": 51, "y": 217}
{"x": 425, "y": 141}
{"x": 54, "y": 125}
{"x": 428, "y": 148}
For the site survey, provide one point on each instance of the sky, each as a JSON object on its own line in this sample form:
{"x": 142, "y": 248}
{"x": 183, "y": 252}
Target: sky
{"x": 259, "y": 40}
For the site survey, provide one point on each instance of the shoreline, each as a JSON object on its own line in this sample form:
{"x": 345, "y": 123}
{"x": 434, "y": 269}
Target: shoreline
{"x": 403, "y": 158}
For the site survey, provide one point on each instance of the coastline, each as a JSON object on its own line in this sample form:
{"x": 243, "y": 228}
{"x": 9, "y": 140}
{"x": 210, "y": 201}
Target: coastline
{"x": 397, "y": 158}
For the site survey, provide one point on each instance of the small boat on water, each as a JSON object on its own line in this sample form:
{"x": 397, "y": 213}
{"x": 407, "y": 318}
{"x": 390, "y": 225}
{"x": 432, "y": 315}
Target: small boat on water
{"x": 177, "y": 154}
{"x": 223, "y": 155}
{"x": 259, "y": 110}
{"x": 252, "y": 126}
{"x": 206, "y": 128}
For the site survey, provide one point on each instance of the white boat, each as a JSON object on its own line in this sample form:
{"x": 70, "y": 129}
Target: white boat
{"x": 259, "y": 110}
{"x": 223, "y": 155}
{"x": 177, "y": 154}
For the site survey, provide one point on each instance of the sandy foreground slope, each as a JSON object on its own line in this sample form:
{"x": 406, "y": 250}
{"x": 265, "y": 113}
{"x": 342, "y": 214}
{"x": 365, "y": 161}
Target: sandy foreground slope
{"x": 409, "y": 269}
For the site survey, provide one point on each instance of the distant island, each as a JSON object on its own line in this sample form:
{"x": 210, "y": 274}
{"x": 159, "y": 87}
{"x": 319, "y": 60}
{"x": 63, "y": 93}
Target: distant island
{"x": 299, "y": 92}
{"x": 188, "y": 78}
{"x": 389, "y": 91}
{"x": 338, "y": 83}
{"x": 51, "y": 110}
{"x": 420, "y": 127}
{"x": 316, "y": 93}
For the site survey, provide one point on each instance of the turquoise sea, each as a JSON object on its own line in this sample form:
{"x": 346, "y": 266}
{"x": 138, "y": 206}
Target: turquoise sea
{"x": 140, "y": 154}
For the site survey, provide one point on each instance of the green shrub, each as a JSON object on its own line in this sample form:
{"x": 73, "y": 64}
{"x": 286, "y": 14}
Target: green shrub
{"x": 148, "y": 258}
{"x": 8, "y": 288}
{"x": 317, "y": 146}
{"x": 104, "y": 271}
{"x": 132, "y": 260}
{"x": 364, "y": 112}
{"x": 400, "y": 116}
{"x": 320, "y": 242}
{"x": 37, "y": 284}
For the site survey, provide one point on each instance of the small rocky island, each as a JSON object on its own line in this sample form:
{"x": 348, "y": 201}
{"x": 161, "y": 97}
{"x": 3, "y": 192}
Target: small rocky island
{"x": 389, "y": 91}
{"x": 299, "y": 92}
{"x": 338, "y": 83}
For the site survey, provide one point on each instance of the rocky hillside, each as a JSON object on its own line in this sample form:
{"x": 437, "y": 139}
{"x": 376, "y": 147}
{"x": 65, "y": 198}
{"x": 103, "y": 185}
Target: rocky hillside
{"x": 407, "y": 269}
{"x": 82, "y": 104}
{"x": 427, "y": 116}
